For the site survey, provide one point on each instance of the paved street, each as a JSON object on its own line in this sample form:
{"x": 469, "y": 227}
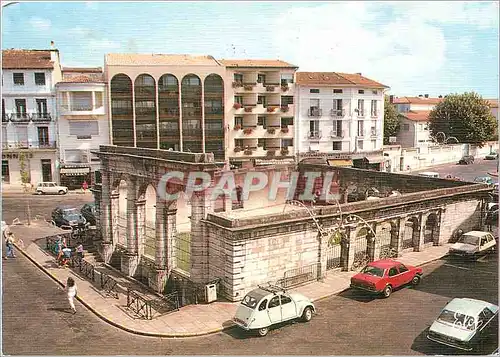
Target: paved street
{"x": 35, "y": 320}
{"x": 480, "y": 167}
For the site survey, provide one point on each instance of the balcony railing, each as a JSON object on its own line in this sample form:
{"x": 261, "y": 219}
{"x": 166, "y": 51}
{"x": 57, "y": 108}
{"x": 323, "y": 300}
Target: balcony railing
{"x": 212, "y": 110}
{"x": 374, "y": 133}
{"x": 145, "y": 111}
{"x": 374, "y": 114}
{"x": 214, "y": 132}
{"x": 28, "y": 144}
{"x": 78, "y": 107}
{"x": 191, "y": 132}
{"x": 361, "y": 112}
{"x": 5, "y": 118}
{"x": 314, "y": 134}
{"x": 315, "y": 112}
{"x": 41, "y": 117}
{"x": 26, "y": 117}
{"x": 169, "y": 133}
{"x": 338, "y": 113}
{"x": 20, "y": 117}
{"x": 169, "y": 112}
{"x": 337, "y": 133}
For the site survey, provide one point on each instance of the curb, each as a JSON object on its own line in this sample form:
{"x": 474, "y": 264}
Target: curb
{"x": 111, "y": 322}
{"x": 162, "y": 335}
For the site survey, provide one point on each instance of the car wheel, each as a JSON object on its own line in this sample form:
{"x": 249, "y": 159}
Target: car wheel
{"x": 416, "y": 280}
{"x": 387, "y": 291}
{"x": 61, "y": 192}
{"x": 263, "y": 331}
{"x": 307, "y": 314}
{"x": 39, "y": 193}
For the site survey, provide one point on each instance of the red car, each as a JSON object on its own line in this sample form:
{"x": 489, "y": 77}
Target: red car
{"x": 384, "y": 276}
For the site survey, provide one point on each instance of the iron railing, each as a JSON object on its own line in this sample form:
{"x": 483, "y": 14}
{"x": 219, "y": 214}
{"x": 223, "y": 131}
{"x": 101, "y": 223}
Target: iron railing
{"x": 299, "y": 276}
{"x": 108, "y": 284}
{"x": 139, "y": 304}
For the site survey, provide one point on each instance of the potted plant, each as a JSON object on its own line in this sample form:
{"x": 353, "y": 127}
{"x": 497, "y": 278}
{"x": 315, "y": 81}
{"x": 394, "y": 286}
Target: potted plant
{"x": 270, "y": 109}
{"x": 271, "y": 153}
{"x": 237, "y": 106}
{"x": 248, "y": 152}
{"x": 248, "y": 109}
{"x": 237, "y": 149}
{"x": 284, "y": 151}
{"x": 271, "y": 130}
{"x": 270, "y": 88}
{"x": 247, "y": 131}
{"x": 284, "y": 108}
{"x": 284, "y": 87}
{"x": 284, "y": 130}
{"x": 237, "y": 84}
{"x": 248, "y": 86}
{"x": 237, "y": 127}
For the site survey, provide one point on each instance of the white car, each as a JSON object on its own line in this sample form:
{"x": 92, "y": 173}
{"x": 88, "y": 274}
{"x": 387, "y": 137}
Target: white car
{"x": 269, "y": 305}
{"x": 51, "y": 188}
{"x": 464, "y": 323}
{"x": 473, "y": 244}
{"x": 429, "y": 174}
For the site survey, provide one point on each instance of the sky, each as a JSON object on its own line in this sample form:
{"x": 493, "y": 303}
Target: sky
{"x": 413, "y": 47}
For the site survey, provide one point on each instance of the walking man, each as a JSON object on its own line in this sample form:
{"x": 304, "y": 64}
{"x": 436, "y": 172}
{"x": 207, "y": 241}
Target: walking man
{"x": 71, "y": 292}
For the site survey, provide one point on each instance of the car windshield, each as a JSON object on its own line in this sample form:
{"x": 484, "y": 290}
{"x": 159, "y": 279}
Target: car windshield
{"x": 71, "y": 211}
{"x": 249, "y": 301}
{"x": 461, "y": 321}
{"x": 372, "y": 271}
{"x": 467, "y": 239}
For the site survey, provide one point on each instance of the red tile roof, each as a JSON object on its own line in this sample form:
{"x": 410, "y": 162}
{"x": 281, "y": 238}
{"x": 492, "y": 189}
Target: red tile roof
{"x": 138, "y": 59}
{"x": 493, "y": 103}
{"x": 336, "y": 78}
{"x": 257, "y": 63}
{"x": 26, "y": 59}
{"x": 83, "y": 75}
{"x": 417, "y": 115}
{"x": 417, "y": 100}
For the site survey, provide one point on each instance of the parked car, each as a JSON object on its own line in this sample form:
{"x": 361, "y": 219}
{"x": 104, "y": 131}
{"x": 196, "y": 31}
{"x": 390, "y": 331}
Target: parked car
{"x": 266, "y": 306}
{"x": 384, "y": 276}
{"x": 51, "y": 188}
{"x": 464, "y": 323}
{"x": 68, "y": 216}
{"x": 466, "y": 160}
{"x": 473, "y": 244}
{"x": 429, "y": 174}
{"x": 484, "y": 179}
{"x": 491, "y": 156}
{"x": 88, "y": 211}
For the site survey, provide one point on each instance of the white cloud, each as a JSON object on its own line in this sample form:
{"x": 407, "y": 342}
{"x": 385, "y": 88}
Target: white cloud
{"x": 40, "y": 24}
{"x": 405, "y": 50}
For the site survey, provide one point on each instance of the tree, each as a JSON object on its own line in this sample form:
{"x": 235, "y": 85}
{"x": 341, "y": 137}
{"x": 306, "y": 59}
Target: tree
{"x": 466, "y": 117}
{"x": 391, "y": 120}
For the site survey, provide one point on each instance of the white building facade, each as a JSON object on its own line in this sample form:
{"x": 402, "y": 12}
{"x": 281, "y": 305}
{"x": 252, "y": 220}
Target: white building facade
{"x": 338, "y": 113}
{"x": 82, "y": 124}
{"x": 29, "y": 128}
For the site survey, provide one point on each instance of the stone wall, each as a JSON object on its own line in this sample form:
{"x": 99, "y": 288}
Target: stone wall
{"x": 464, "y": 215}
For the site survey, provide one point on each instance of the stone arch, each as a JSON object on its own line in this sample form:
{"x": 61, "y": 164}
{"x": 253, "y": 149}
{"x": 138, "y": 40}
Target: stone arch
{"x": 191, "y": 88}
{"x": 145, "y": 111}
{"x": 384, "y": 237}
{"x": 122, "y": 116}
{"x": 361, "y": 247}
{"x": 431, "y": 229}
{"x": 119, "y": 193}
{"x": 411, "y": 233}
{"x": 168, "y": 107}
{"x": 149, "y": 239}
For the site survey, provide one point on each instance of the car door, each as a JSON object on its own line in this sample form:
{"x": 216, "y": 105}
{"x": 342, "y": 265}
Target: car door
{"x": 51, "y": 187}
{"x": 490, "y": 242}
{"x": 274, "y": 309}
{"x": 393, "y": 277}
{"x": 483, "y": 244}
{"x": 288, "y": 308}
{"x": 405, "y": 275}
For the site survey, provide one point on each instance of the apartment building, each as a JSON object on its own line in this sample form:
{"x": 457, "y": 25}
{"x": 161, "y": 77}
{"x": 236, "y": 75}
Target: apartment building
{"x": 172, "y": 102}
{"x": 262, "y": 109}
{"x": 82, "y": 124}
{"x": 339, "y": 113}
{"x": 414, "y": 117}
{"x": 28, "y": 115}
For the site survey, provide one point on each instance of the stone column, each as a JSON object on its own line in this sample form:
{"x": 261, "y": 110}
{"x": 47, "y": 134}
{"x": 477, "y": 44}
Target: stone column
{"x": 170, "y": 221}
{"x": 347, "y": 253}
{"x": 419, "y": 246}
{"x": 140, "y": 206}
{"x": 395, "y": 237}
{"x": 322, "y": 256}
{"x": 106, "y": 218}
{"x": 401, "y": 232}
{"x": 160, "y": 276}
{"x": 130, "y": 259}
{"x": 200, "y": 205}
{"x": 373, "y": 244}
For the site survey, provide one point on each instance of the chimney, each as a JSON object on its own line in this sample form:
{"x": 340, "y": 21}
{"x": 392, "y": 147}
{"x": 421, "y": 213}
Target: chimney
{"x": 427, "y": 95}
{"x": 420, "y": 95}
{"x": 391, "y": 99}
{"x": 52, "y": 45}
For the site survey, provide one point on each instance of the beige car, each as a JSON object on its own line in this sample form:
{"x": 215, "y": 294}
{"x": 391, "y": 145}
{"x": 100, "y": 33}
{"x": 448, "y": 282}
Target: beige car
{"x": 50, "y": 188}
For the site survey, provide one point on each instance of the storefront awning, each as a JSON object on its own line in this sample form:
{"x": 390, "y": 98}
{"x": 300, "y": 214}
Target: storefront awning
{"x": 75, "y": 171}
{"x": 339, "y": 162}
{"x": 376, "y": 159}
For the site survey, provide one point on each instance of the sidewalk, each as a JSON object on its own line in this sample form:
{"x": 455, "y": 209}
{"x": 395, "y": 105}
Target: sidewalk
{"x": 192, "y": 320}
{"x": 16, "y": 189}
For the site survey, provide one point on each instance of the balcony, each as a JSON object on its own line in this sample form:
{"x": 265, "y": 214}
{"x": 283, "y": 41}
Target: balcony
{"x": 5, "y": 117}
{"x": 374, "y": 114}
{"x": 374, "y": 133}
{"x": 337, "y": 133}
{"x": 82, "y": 109}
{"x": 314, "y": 135}
{"x": 189, "y": 132}
{"x": 41, "y": 117}
{"x": 20, "y": 117}
{"x": 214, "y": 111}
{"x": 360, "y": 112}
{"x": 315, "y": 112}
{"x": 337, "y": 113}
{"x": 29, "y": 144}
{"x": 214, "y": 132}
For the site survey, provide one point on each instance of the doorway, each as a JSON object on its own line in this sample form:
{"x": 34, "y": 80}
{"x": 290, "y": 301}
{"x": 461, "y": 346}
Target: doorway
{"x": 46, "y": 170}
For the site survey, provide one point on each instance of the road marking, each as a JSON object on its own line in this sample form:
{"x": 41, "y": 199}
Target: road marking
{"x": 463, "y": 268}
